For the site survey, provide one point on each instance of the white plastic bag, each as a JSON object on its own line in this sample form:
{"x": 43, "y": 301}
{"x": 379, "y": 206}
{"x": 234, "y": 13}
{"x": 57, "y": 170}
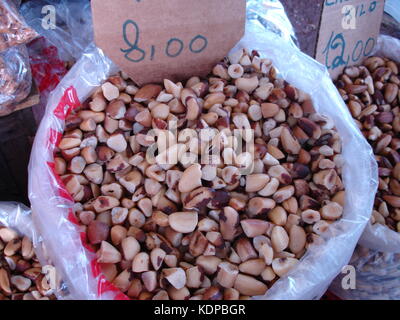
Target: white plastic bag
{"x": 377, "y": 258}
{"x": 52, "y": 206}
{"x": 15, "y": 78}
{"x": 73, "y": 29}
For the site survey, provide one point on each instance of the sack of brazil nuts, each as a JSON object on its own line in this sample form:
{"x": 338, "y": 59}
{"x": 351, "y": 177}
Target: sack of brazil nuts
{"x": 273, "y": 213}
{"x": 377, "y": 257}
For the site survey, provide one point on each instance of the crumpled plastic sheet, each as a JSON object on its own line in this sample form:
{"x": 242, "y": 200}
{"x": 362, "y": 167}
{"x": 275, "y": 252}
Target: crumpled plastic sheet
{"x": 73, "y": 29}
{"x": 52, "y": 207}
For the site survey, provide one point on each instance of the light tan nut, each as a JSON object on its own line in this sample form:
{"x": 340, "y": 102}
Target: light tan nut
{"x": 8, "y": 234}
{"x": 149, "y": 279}
{"x": 249, "y": 286}
{"x": 191, "y": 179}
{"x": 279, "y": 239}
{"x": 130, "y": 248}
{"x": 208, "y": 263}
{"x": 157, "y": 256}
{"x": 194, "y": 277}
{"x": 331, "y": 211}
{"x": 227, "y": 273}
{"x": 256, "y": 182}
{"x": 310, "y": 216}
{"x": 105, "y": 203}
{"x": 108, "y": 254}
{"x": 297, "y": 239}
{"x": 282, "y": 266}
{"x": 252, "y": 267}
{"x": 94, "y": 173}
{"x": 110, "y": 92}
{"x": 141, "y": 262}
{"x": 175, "y": 276}
{"x": 184, "y": 222}
{"x": 254, "y": 227}
{"x": 117, "y": 142}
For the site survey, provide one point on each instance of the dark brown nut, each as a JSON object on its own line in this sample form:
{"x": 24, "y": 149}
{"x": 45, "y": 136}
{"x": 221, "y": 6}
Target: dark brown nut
{"x": 229, "y": 222}
{"x": 310, "y": 128}
{"x": 245, "y": 249}
{"x": 5, "y": 282}
{"x": 249, "y": 286}
{"x": 289, "y": 143}
{"x": 97, "y": 232}
{"x": 108, "y": 254}
{"x": 198, "y": 199}
{"x": 198, "y": 244}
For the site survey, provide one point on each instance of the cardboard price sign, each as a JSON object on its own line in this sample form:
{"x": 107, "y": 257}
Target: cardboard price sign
{"x": 348, "y": 32}
{"x": 156, "y": 39}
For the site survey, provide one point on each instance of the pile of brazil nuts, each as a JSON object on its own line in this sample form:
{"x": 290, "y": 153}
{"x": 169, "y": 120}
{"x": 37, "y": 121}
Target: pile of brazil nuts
{"x": 372, "y": 94}
{"x": 21, "y": 275}
{"x": 202, "y": 231}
